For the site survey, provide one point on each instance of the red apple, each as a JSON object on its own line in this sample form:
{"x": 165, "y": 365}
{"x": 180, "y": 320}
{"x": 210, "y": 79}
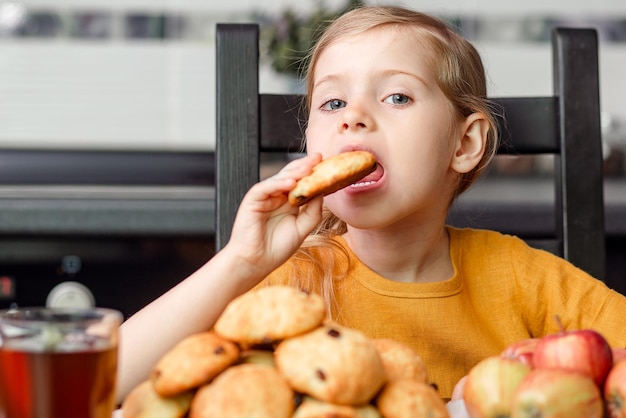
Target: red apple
{"x": 615, "y": 390}
{"x": 557, "y": 393}
{"x": 490, "y": 385}
{"x": 619, "y": 353}
{"x": 584, "y": 350}
{"x": 522, "y": 350}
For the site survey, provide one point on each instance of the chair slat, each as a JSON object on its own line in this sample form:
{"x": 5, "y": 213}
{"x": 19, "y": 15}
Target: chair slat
{"x": 282, "y": 133}
{"x": 237, "y": 147}
{"x": 533, "y": 119}
{"x": 528, "y": 125}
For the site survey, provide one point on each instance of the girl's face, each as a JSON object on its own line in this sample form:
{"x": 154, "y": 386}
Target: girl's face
{"x": 378, "y": 91}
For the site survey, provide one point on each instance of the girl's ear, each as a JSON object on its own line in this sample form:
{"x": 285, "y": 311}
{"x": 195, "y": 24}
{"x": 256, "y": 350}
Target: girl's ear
{"x": 470, "y": 145}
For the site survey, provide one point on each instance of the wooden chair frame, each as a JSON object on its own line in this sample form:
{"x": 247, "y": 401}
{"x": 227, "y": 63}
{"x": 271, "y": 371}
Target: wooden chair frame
{"x": 565, "y": 124}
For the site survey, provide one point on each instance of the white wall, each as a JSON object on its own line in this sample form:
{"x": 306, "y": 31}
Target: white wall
{"x": 111, "y": 95}
{"x": 482, "y": 7}
{"x": 153, "y": 94}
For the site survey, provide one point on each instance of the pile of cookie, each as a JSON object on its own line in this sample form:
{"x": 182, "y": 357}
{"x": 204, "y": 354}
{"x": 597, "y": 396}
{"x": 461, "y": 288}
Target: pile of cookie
{"x": 272, "y": 353}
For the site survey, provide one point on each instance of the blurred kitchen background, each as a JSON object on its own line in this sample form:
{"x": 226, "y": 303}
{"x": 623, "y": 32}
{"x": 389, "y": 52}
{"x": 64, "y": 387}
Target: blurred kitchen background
{"x": 96, "y": 82}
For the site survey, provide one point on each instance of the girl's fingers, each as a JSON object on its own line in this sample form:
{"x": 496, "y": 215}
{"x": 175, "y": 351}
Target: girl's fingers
{"x": 310, "y": 215}
{"x": 299, "y": 168}
{"x": 284, "y": 181}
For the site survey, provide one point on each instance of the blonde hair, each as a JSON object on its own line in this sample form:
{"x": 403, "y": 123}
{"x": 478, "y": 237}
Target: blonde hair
{"x": 461, "y": 77}
{"x": 458, "y": 64}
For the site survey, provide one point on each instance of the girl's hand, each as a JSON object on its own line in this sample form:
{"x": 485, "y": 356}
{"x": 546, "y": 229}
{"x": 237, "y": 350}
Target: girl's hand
{"x": 267, "y": 229}
{"x": 266, "y": 232}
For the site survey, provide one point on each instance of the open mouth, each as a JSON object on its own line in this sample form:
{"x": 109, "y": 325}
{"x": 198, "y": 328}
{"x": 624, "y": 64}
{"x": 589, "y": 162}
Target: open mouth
{"x": 371, "y": 178}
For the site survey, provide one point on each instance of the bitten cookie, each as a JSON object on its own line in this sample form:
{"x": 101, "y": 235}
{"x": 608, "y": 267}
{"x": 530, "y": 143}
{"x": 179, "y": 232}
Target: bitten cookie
{"x": 333, "y": 364}
{"x": 270, "y": 314}
{"x": 400, "y": 360}
{"x": 192, "y": 362}
{"x": 314, "y": 408}
{"x": 403, "y": 398}
{"x": 332, "y": 174}
{"x": 243, "y": 391}
{"x": 144, "y": 402}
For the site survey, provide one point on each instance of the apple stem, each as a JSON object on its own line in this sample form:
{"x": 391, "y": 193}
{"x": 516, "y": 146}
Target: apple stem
{"x": 557, "y": 319}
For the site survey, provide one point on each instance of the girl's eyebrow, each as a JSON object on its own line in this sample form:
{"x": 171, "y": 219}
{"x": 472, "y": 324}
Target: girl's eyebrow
{"x": 326, "y": 79}
{"x": 390, "y": 73}
{"x": 386, "y": 73}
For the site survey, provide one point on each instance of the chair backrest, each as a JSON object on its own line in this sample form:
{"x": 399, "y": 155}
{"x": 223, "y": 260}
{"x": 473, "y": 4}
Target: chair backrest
{"x": 565, "y": 124}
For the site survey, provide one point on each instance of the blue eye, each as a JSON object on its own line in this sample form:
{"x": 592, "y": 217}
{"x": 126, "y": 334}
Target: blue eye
{"x": 334, "y": 104}
{"x": 397, "y": 99}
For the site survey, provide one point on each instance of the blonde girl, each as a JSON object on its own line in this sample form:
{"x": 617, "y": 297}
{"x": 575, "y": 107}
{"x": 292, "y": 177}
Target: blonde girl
{"x": 407, "y": 88}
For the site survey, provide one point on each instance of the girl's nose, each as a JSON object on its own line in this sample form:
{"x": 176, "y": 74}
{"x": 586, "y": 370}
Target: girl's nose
{"x": 356, "y": 118}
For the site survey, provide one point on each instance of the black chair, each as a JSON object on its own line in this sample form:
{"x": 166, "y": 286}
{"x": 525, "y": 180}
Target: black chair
{"x": 566, "y": 124}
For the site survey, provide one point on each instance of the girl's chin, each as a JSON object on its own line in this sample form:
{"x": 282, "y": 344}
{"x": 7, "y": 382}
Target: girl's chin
{"x": 357, "y": 216}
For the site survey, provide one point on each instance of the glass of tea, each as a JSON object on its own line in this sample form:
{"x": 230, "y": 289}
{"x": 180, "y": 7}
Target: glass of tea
{"x": 58, "y": 362}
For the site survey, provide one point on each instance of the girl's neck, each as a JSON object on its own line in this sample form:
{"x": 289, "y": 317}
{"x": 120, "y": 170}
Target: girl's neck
{"x": 418, "y": 256}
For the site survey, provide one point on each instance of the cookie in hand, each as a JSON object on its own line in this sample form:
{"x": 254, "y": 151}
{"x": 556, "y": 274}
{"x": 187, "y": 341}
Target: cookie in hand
{"x": 332, "y": 174}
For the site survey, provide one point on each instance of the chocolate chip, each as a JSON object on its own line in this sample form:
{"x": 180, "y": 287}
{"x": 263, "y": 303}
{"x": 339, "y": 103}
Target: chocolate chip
{"x": 219, "y": 350}
{"x": 320, "y": 374}
{"x": 334, "y": 333}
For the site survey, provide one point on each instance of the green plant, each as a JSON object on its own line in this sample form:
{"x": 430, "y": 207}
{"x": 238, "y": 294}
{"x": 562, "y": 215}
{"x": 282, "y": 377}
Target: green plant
{"x": 288, "y": 39}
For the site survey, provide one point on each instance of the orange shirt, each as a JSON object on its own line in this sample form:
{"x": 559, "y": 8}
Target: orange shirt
{"x": 502, "y": 291}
